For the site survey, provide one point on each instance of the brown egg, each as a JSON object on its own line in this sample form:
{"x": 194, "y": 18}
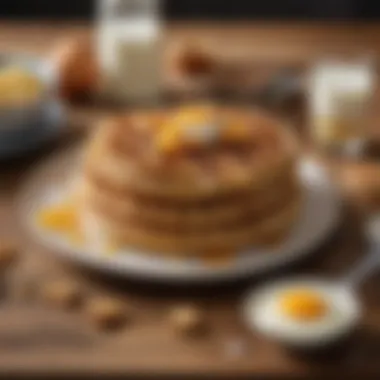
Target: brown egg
{"x": 77, "y": 66}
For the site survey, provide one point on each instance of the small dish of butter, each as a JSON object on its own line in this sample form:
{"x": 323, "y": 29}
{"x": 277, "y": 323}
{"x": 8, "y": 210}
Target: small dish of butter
{"x": 29, "y": 107}
{"x": 19, "y": 87}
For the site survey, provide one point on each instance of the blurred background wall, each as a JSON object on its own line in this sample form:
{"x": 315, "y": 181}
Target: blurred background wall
{"x": 205, "y": 9}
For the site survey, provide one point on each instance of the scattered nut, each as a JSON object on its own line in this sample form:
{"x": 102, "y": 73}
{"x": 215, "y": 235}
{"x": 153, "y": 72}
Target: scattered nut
{"x": 188, "y": 320}
{"x": 107, "y": 313}
{"x": 8, "y": 254}
{"x": 62, "y": 294}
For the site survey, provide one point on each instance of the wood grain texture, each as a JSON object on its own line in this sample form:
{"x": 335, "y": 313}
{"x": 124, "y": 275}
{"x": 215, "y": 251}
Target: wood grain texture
{"x": 36, "y": 339}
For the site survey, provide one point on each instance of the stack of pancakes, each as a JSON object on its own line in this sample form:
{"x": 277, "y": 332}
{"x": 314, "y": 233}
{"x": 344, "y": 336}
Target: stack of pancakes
{"x": 204, "y": 197}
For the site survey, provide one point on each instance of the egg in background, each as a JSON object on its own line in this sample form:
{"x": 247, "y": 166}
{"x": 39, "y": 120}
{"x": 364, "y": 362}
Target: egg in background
{"x": 77, "y": 67}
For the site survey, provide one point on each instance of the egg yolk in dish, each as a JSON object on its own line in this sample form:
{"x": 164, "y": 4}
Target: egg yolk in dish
{"x": 303, "y": 305}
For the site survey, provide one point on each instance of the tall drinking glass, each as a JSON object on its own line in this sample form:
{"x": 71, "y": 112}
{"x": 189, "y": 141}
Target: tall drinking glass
{"x": 340, "y": 93}
{"x": 129, "y": 49}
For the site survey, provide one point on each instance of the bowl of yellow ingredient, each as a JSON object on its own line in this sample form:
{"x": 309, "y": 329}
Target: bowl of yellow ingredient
{"x": 28, "y": 103}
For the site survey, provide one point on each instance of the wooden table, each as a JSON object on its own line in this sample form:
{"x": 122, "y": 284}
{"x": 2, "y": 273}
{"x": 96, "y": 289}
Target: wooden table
{"x": 34, "y": 339}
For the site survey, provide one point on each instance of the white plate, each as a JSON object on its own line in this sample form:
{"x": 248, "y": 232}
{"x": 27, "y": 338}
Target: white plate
{"x": 318, "y": 219}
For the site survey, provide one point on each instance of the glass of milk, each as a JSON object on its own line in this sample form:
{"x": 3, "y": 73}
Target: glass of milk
{"x": 339, "y": 103}
{"x": 129, "y": 49}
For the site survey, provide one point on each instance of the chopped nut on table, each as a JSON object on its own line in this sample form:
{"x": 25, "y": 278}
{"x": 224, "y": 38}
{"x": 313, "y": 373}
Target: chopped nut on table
{"x": 63, "y": 294}
{"x": 107, "y": 312}
{"x": 188, "y": 320}
{"x": 8, "y": 254}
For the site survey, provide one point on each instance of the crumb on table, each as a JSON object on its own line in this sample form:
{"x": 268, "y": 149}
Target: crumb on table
{"x": 64, "y": 294}
{"x": 106, "y": 312}
{"x": 187, "y": 320}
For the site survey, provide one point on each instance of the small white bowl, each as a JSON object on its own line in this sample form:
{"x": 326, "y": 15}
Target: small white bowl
{"x": 261, "y": 315}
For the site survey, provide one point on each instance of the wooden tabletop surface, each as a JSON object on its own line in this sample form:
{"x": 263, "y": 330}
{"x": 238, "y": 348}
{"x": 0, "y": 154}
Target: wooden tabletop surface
{"x": 34, "y": 338}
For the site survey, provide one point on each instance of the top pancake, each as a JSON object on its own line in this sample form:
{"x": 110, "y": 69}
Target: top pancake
{"x": 124, "y": 156}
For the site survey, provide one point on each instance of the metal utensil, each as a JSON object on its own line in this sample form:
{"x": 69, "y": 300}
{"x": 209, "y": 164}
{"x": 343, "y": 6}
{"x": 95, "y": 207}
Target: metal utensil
{"x": 371, "y": 262}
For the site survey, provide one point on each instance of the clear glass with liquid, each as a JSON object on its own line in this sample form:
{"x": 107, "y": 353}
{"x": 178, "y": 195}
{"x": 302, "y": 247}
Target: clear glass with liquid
{"x": 129, "y": 49}
{"x": 340, "y": 93}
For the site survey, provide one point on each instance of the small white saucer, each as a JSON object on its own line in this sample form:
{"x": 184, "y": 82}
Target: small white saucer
{"x": 318, "y": 219}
